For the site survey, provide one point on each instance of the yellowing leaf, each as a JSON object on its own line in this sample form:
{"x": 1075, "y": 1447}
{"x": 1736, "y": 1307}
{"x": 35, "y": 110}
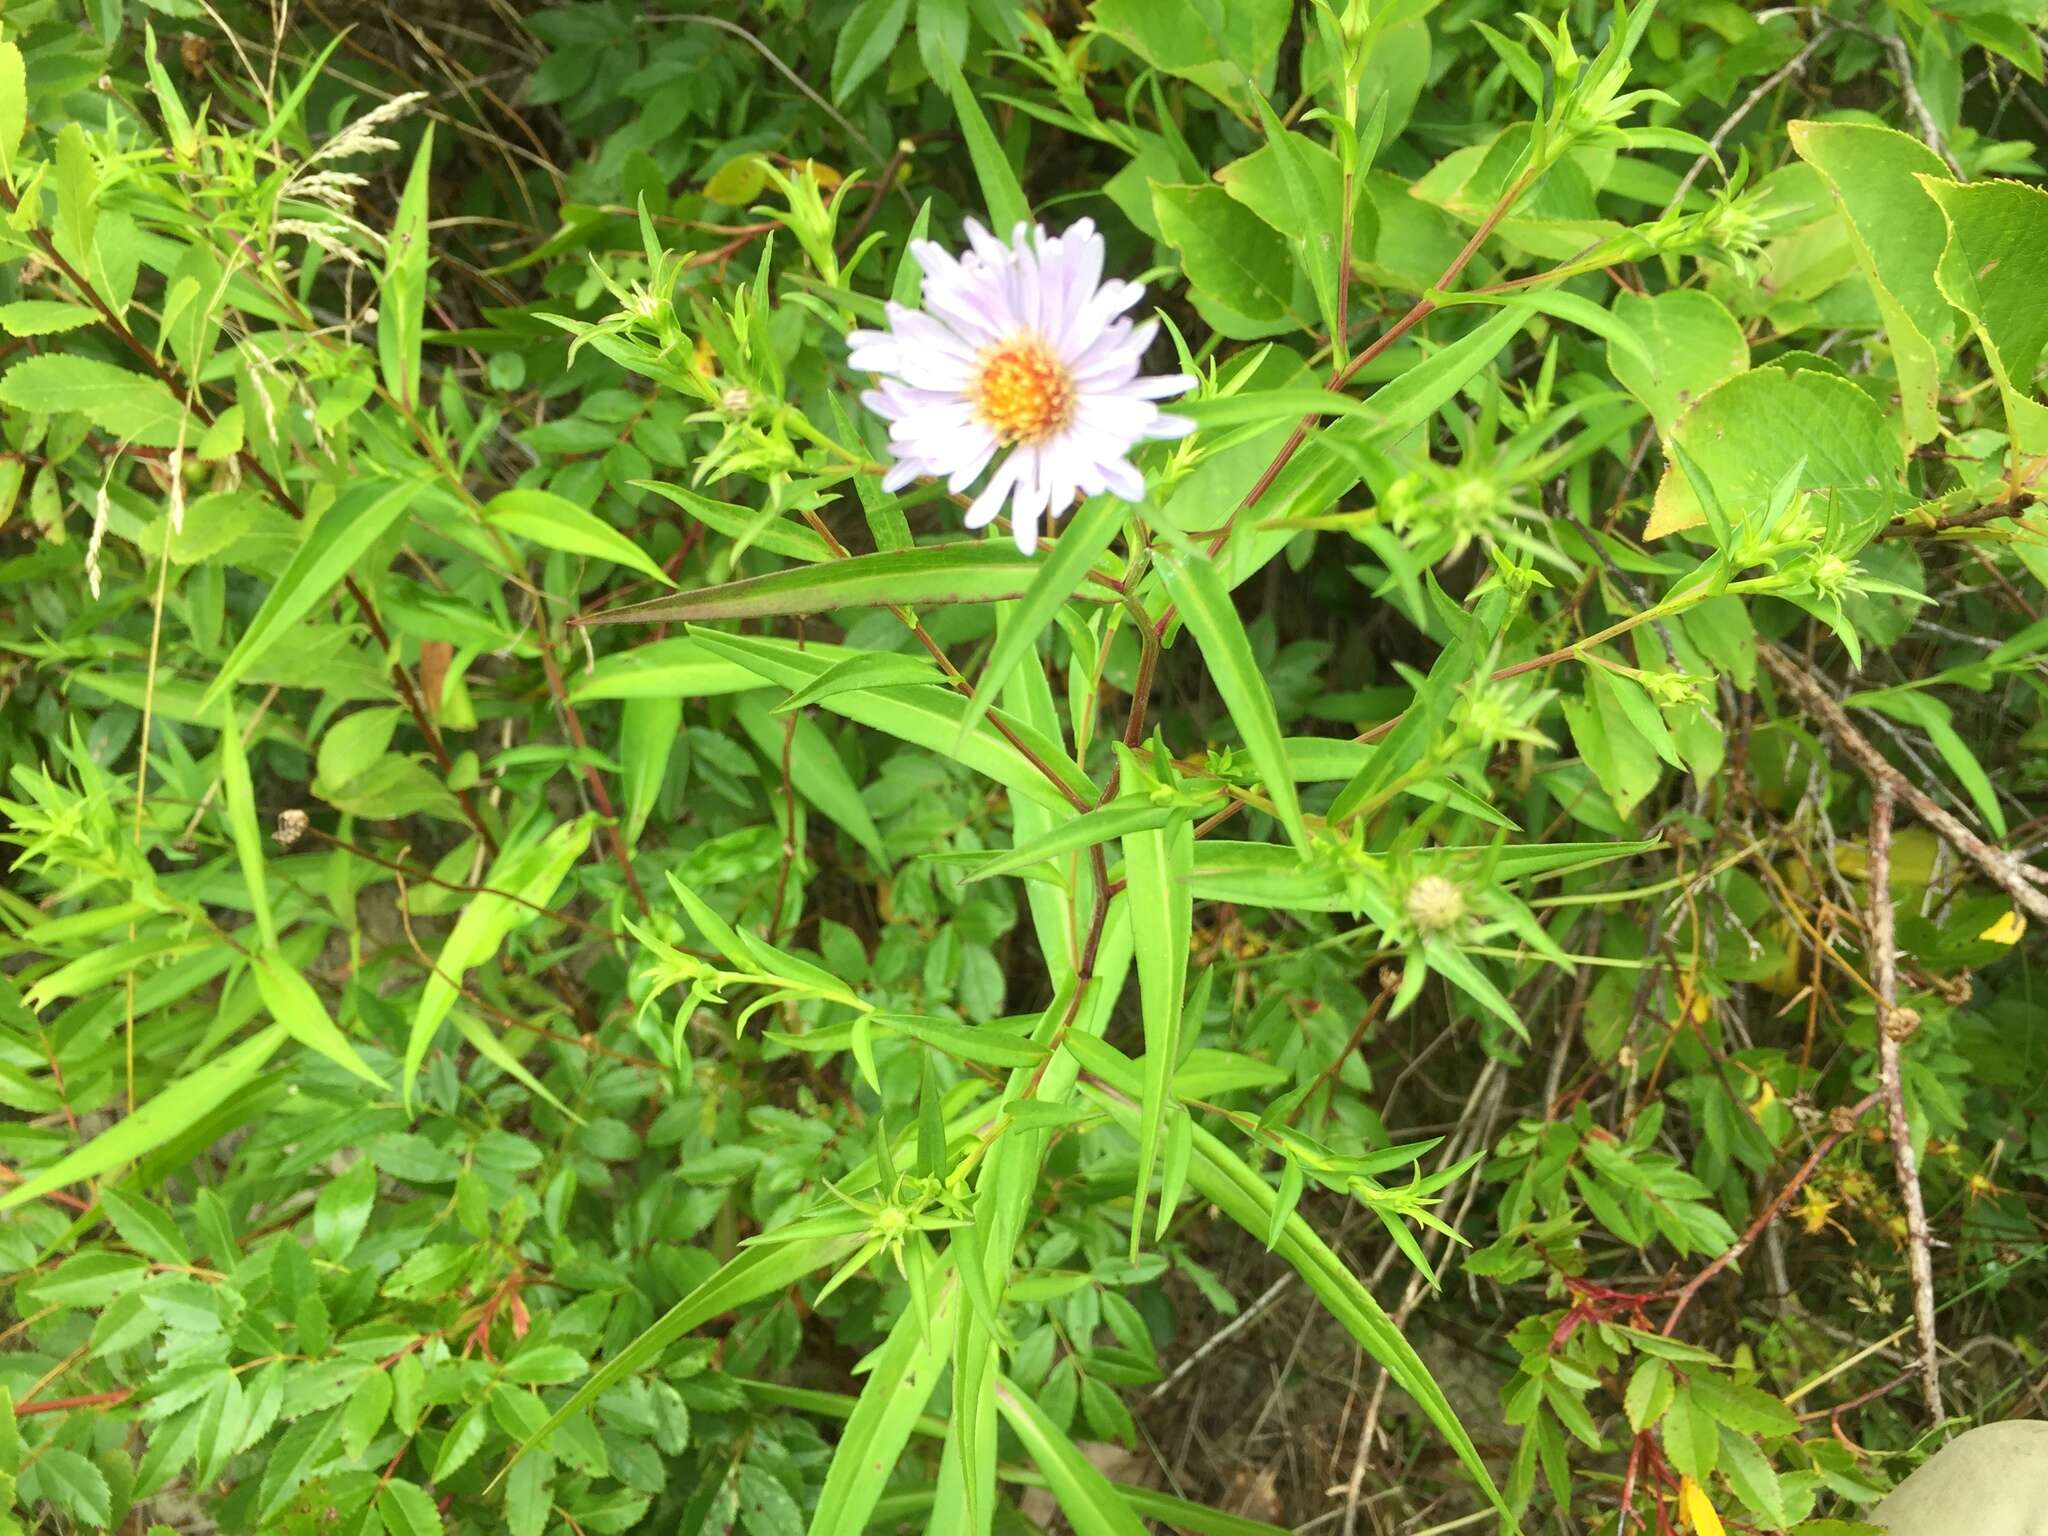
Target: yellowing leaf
{"x": 738, "y": 181}
{"x": 2006, "y": 930}
{"x": 1695, "y": 1511}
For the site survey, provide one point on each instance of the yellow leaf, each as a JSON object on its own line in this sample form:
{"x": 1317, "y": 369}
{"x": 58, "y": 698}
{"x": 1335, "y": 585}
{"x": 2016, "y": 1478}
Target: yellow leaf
{"x": 2006, "y": 930}
{"x": 1695, "y": 1511}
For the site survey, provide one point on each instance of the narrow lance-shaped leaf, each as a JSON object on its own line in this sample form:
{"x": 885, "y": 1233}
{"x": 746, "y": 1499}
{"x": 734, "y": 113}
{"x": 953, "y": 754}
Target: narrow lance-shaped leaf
{"x": 1103, "y": 824}
{"x": 342, "y": 536}
{"x": 531, "y": 873}
{"x": 1222, "y": 1177}
{"x": 905, "y": 1371}
{"x": 1157, "y": 864}
{"x": 1091, "y": 1505}
{"x": 555, "y": 522}
{"x": 1205, "y": 606}
{"x": 402, "y": 297}
{"x": 173, "y": 1110}
{"x": 294, "y": 1004}
{"x": 1000, "y": 191}
{"x": 1058, "y": 580}
{"x": 928, "y": 717}
{"x": 931, "y": 576}
{"x": 238, "y": 796}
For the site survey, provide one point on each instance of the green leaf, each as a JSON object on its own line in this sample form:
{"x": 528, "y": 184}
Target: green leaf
{"x": 752, "y": 529}
{"x": 342, "y": 536}
{"x": 238, "y": 799}
{"x": 1755, "y": 1481}
{"x": 756, "y": 1272}
{"x": 555, "y": 522}
{"x": 172, "y": 1111}
{"x": 1227, "y": 49}
{"x": 675, "y": 668}
{"x": 1315, "y": 235}
{"x": 926, "y": 716}
{"x": 868, "y": 670}
{"x": 1692, "y": 1441}
{"x": 648, "y": 730}
{"x": 462, "y": 1443}
{"x": 131, "y": 407}
{"x": 297, "y": 1454}
{"x": 342, "y": 1209}
{"x": 545, "y": 1365}
{"x": 1205, "y": 607}
{"x": 942, "y": 32}
{"x": 1994, "y": 268}
{"x": 1746, "y": 1409}
{"x": 1102, "y": 825}
{"x": 1625, "y": 764}
{"x": 1418, "y": 393}
{"x": 866, "y": 39}
{"x": 903, "y": 1374}
{"x": 13, "y": 106}
{"x": 1650, "y": 1391}
{"x": 365, "y": 1412}
{"x": 531, "y": 873}
{"x": 1092, "y": 1507}
{"x": 931, "y": 576}
{"x": 1059, "y": 579}
{"x": 737, "y": 182}
{"x": 1687, "y": 343}
{"x": 1223, "y": 1178}
{"x": 504, "y": 1058}
{"x": 767, "y": 1507}
{"x": 1284, "y": 1203}
{"x": 982, "y": 1043}
{"x": 402, "y": 296}
{"x": 1307, "y": 203}
{"x": 1745, "y": 435}
{"x": 408, "y": 1509}
{"x": 1933, "y": 717}
{"x": 1000, "y": 191}
{"x": 1239, "y": 268}
{"x": 1898, "y": 236}
{"x": 145, "y": 1226}
{"x": 1157, "y": 865}
{"x": 42, "y": 317}
{"x": 74, "y": 1485}
{"x": 291, "y": 1000}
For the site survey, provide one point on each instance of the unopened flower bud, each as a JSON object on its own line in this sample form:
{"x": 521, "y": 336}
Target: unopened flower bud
{"x": 1434, "y": 904}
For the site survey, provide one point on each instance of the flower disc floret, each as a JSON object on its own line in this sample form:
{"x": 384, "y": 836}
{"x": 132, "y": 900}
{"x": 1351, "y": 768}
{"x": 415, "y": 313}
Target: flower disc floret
{"x": 1021, "y": 358}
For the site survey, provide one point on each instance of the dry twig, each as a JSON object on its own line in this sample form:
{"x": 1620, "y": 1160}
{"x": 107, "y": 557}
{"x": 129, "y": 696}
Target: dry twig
{"x": 1894, "y": 1024}
{"x": 2010, "y": 873}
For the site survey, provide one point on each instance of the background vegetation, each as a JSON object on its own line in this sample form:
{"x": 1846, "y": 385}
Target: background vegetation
{"x": 1468, "y": 962}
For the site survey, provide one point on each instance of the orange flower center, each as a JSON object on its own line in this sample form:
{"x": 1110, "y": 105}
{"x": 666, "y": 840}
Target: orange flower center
{"x": 1022, "y": 390}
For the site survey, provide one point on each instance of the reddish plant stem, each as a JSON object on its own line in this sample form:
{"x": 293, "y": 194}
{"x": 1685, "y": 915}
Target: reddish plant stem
{"x": 1769, "y": 1213}
{"x": 66, "y": 1404}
